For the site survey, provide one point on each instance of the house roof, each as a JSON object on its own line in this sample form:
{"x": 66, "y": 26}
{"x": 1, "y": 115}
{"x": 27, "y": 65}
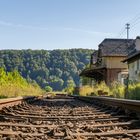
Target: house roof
{"x": 116, "y": 47}
{"x": 94, "y": 73}
{"x": 133, "y": 56}
{"x": 95, "y": 53}
{"x": 94, "y": 57}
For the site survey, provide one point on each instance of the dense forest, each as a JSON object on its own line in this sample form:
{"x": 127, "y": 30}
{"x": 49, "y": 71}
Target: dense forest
{"x": 56, "y": 68}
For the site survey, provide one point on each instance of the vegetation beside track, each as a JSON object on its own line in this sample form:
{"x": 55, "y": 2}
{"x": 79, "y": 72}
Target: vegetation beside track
{"x": 115, "y": 90}
{"x": 12, "y": 84}
{"x": 134, "y": 91}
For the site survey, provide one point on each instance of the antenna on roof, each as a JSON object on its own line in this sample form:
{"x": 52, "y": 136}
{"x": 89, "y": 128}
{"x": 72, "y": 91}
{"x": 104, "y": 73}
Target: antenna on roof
{"x": 127, "y": 28}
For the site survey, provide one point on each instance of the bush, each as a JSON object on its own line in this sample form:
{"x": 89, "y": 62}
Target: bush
{"x": 117, "y": 90}
{"x": 12, "y": 84}
{"x": 133, "y": 91}
{"x": 101, "y": 87}
{"x": 93, "y": 91}
{"x": 48, "y": 89}
{"x": 70, "y": 87}
{"x": 85, "y": 91}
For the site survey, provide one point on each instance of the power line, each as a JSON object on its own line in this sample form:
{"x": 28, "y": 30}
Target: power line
{"x": 136, "y": 22}
{"x": 134, "y": 18}
{"x": 121, "y": 32}
{"x": 133, "y": 22}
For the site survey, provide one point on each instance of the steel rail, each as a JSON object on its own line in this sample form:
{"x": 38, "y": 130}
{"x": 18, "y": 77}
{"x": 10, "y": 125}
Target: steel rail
{"x": 14, "y": 101}
{"x": 129, "y": 105}
{"x": 60, "y": 118}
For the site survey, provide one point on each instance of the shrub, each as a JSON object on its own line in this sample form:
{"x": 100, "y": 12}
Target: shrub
{"x": 93, "y": 91}
{"x": 70, "y": 87}
{"x": 134, "y": 91}
{"x": 85, "y": 90}
{"x": 101, "y": 87}
{"x": 48, "y": 89}
{"x": 117, "y": 90}
{"x": 12, "y": 84}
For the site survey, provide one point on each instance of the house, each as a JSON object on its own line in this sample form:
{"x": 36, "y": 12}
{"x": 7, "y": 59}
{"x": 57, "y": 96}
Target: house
{"x": 133, "y": 61}
{"x": 106, "y": 63}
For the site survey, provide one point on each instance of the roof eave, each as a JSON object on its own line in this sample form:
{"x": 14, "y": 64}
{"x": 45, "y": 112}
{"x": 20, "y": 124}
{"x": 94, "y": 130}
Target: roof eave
{"x": 114, "y": 55}
{"x": 133, "y": 57}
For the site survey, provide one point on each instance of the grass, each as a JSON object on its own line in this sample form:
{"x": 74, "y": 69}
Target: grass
{"x": 12, "y": 90}
{"x": 94, "y": 90}
{"x": 133, "y": 91}
{"x": 85, "y": 91}
{"x": 116, "y": 90}
{"x": 12, "y": 84}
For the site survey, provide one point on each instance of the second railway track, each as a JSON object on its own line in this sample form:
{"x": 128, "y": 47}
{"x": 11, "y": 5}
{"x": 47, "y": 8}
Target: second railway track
{"x": 68, "y": 118}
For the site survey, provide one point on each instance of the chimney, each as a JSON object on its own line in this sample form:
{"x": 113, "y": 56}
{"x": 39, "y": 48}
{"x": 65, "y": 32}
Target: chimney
{"x": 137, "y": 43}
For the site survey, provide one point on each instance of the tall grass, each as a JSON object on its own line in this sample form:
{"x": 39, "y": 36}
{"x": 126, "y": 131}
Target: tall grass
{"x": 133, "y": 91}
{"x": 116, "y": 90}
{"x": 101, "y": 87}
{"x": 12, "y": 90}
{"x": 85, "y": 90}
{"x": 12, "y": 84}
{"x": 93, "y": 90}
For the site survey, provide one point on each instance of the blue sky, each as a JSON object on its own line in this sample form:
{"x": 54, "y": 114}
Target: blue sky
{"x": 64, "y": 24}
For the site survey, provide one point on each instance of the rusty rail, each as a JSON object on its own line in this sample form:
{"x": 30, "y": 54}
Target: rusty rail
{"x": 64, "y": 117}
{"x": 14, "y": 101}
{"x": 128, "y": 105}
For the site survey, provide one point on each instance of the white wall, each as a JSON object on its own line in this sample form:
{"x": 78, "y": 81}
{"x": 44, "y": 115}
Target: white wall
{"x": 137, "y": 43}
{"x": 134, "y": 70}
{"x": 134, "y": 67}
{"x": 122, "y": 76}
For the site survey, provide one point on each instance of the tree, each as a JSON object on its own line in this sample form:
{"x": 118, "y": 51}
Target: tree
{"x": 3, "y": 77}
{"x": 48, "y": 89}
{"x": 70, "y": 86}
{"x": 47, "y": 68}
{"x": 57, "y": 84}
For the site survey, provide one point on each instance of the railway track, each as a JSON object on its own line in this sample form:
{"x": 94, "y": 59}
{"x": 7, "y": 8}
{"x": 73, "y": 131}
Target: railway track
{"x": 68, "y": 118}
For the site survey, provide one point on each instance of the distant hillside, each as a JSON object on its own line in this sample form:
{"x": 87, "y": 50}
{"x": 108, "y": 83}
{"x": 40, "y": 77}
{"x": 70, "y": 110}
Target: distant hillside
{"x": 48, "y": 68}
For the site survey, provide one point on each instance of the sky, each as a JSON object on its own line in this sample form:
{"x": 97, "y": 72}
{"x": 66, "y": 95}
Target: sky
{"x": 65, "y": 24}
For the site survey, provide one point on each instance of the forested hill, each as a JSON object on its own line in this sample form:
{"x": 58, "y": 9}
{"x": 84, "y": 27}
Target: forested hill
{"x": 48, "y": 68}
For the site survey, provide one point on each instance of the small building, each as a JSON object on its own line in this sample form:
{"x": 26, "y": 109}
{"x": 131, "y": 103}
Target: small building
{"x": 133, "y": 61}
{"x": 106, "y": 63}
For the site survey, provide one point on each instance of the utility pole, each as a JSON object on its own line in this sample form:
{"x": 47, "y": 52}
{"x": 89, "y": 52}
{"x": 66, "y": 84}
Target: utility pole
{"x": 126, "y": 88}
{"x": 127, "y": 28}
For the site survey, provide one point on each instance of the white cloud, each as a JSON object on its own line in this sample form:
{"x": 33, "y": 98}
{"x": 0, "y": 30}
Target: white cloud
{"x": 89, "y": 32}
{"x": 5, "y": 23}
{"x": 98, "y": 33}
